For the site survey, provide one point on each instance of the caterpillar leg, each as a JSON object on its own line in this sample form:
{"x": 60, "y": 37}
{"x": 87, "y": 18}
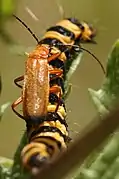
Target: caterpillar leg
{"x": 56, "y": 89}
{"x": 56, "y": 72}
{"x": 16, "y": 103}
{"x": 20, "y": 78}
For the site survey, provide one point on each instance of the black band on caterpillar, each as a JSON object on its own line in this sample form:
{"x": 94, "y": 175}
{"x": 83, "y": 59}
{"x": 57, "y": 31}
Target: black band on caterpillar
{"x": 63, "y": 31}
{"x": 51, "y": 138}
{"x": 44, "y": 129}
{"x": 54, "y": 99}
{"x": 56, "y": 43}
{"x": 51, "y": 116}
{"x": 57, "y": 81}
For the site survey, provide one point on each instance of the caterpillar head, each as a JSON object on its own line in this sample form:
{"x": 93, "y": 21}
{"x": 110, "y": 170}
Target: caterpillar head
{"x": 88, "y": 33}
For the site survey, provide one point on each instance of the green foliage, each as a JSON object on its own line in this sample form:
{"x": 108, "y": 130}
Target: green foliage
{"x": 5, "y": 164}
{"x": 7, "y": 8}
{"x": 71, "y": 66}
{"x": 3, "y": 107}
{"x": 106, "y": 163}
{"x": 108, "y": 94}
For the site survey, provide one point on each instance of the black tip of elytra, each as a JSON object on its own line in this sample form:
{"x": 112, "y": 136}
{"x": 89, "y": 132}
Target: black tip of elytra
{"x": 34, "y": 120}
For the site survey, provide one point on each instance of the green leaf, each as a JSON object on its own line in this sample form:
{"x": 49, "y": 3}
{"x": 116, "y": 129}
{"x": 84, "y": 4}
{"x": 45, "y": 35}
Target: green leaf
{"x": 3, "y": 108}
{"x": 109, "y": 91}
{"x": 17, "y": 170}
{"x": 5, "y": 162}
{"x": 7, "y": 7}
{"x": 5, "y": 167}
{"x": 105, "y": 164}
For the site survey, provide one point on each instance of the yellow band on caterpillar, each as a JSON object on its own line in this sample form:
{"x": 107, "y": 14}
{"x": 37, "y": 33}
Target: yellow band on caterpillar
{"x": 61, "y": 110}
{"x": 54, "y": 135}
{"x": 57, "y": 124}
{"x": 65, "y": 40}
{"x": 49, "y": 142}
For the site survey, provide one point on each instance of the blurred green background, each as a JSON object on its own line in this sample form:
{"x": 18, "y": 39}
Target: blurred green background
{"x": 105, "y": 17}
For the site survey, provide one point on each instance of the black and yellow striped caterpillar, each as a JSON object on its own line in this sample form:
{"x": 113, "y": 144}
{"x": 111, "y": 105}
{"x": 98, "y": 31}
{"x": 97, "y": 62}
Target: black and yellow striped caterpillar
{"x": 48, "y": 135}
